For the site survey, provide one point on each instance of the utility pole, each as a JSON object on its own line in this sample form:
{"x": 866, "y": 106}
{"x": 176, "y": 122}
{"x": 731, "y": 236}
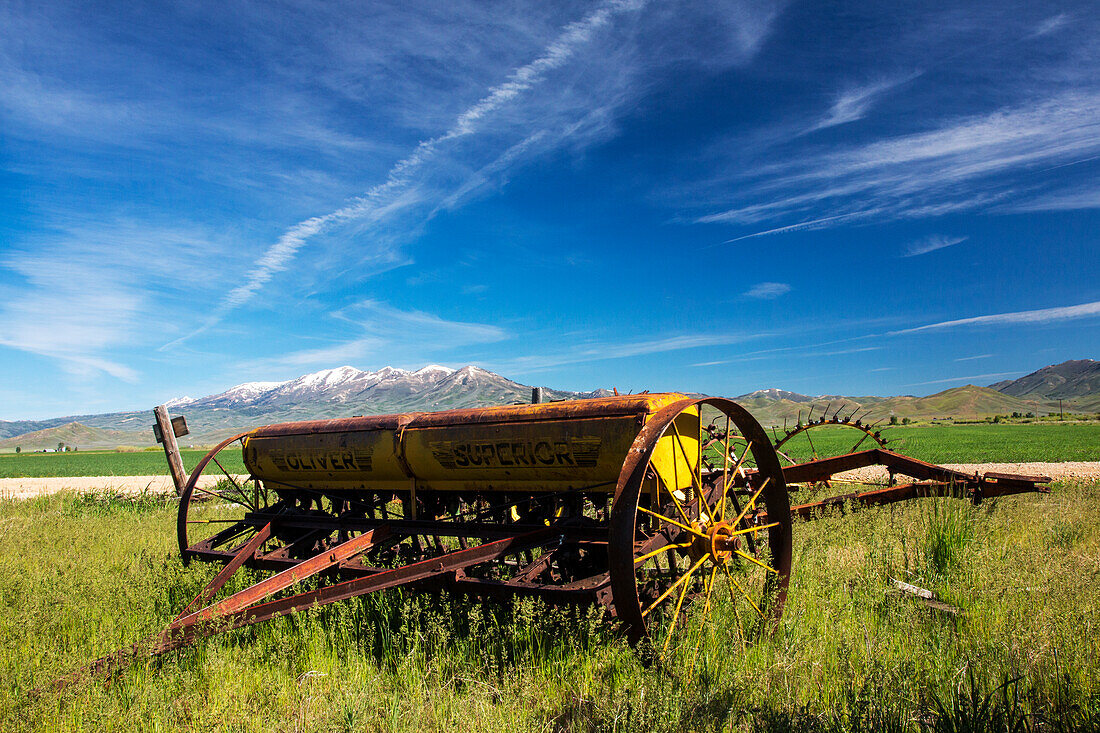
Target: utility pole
{"x": 1060, "y": 415}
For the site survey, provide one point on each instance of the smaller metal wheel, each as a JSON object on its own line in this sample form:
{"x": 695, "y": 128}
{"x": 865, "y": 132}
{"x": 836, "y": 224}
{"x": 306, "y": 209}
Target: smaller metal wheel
{"x": 212, "y": 512}
{"x": 826, "y": 437}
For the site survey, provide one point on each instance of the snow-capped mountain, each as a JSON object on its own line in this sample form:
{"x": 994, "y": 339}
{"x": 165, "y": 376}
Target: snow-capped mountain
{"x": 774, "y": 393}
{"x": 330, "y": 393}
{"x": 348, "y": 390}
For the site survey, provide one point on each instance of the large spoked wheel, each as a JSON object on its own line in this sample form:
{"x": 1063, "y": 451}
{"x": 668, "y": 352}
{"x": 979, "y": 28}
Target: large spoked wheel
{"x": 214, "y": 503}
{"x": 700, "y": 535}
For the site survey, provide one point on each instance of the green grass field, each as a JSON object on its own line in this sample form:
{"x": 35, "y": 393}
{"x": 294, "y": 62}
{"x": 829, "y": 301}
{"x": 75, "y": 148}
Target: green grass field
{"x": 104, "y": 463}
{"x": 82, "y": 576}
{"x": 985, "y": 443}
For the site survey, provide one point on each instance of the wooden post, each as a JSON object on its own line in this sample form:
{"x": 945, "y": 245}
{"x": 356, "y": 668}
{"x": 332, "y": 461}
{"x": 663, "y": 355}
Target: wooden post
{"x": 171, "y": 449}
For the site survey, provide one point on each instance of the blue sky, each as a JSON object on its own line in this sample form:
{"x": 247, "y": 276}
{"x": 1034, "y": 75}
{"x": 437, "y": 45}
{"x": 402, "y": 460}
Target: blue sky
{"x": 858, "y": 198}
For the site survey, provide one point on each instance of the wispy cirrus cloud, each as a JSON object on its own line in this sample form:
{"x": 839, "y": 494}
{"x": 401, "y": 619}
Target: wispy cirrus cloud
{"x": 71, "y": 303}
{"x": 854, "y": 102}
{"x": 962, "y": 164}
{"x": 931, "y": 244}
{"x": 394, "y": 193}
{"x": 600, "y": 352}
{"x": 767, "y": 290}
{"x": 1051, "y": 24}
{"x": 968, "y": 378}
{"x": 1042, "y": 315}
{"x": 379, "y": 333}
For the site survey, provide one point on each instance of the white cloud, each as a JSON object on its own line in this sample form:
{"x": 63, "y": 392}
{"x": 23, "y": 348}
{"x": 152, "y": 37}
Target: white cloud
{"x": 382, "y": 333}
{"x": 1078, "y": 199}
{"x": 853, "y": 103}
{"x": 931, "y": 244}
{"x": 960, "y": 165}
{"x": 600, "y": 352}
{"x": 767, "y": 290}
{"x": 1044, "y": 315}
{"x": 88, "y": 289}
{"x": 1051, "y": 24}
{"x": 976, "y": 356}
{"x": 394, "y": 193}
{"x": 970, "y": 378}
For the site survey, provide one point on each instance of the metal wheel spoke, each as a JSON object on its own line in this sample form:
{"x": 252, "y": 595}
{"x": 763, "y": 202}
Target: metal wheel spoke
{"x": 703, "y": 623}
{"x": 696, "y": 483}
{"x": 672, "y": 493}
{"x": 725, "y": 471}
{"x": 736, "y": 469}
{"x": 661, "y": 551}
{"x": 752, "y": 559}
{"x": 751, "y": 503}
{"x": 735, "y": 584}
{"x": 756, "y": 528}
{"x": 675, "y": 615}
{"x": 674, "y": 586}
{"x": 223, "y": 497}
{"x": 674, "y": 523}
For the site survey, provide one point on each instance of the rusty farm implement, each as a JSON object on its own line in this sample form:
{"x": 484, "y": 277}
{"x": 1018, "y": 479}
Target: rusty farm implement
{"x": 643, "y": 504}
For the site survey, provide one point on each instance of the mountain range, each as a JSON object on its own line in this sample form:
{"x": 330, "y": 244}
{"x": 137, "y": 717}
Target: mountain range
{"x": 339, "y": 392}
{"x": 346, "y": 391}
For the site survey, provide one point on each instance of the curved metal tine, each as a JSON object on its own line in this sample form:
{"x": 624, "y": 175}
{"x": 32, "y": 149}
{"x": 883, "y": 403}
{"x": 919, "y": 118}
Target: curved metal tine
{"x": 696, "y": 483}
{"x": 865, "y": 437}
{"x": 813, "y": 450}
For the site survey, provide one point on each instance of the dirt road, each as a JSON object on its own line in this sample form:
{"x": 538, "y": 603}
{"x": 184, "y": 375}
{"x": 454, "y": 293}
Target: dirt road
{"x": 27, "y": 488}
{"x": 1056, "y": 471}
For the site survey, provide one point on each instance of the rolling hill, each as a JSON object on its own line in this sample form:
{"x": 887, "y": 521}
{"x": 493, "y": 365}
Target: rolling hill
{"x": 74, "y": 435}
{"x": 1077, "y": 380}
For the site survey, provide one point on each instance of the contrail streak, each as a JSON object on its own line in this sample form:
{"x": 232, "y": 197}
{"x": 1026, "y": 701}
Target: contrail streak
{"x": 378, "y": 199}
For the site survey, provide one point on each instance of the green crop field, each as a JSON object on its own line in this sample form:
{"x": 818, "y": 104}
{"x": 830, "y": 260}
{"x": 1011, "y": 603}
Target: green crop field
{"x": 104, "y": 463}
{"x": 81, "y": 576}
{"x": 982, "y": 443}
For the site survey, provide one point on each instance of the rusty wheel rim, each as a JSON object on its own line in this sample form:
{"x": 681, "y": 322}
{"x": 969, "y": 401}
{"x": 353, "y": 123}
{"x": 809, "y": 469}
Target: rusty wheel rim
{"x": 680, "y": 538}
{"x": 234, "y": 495}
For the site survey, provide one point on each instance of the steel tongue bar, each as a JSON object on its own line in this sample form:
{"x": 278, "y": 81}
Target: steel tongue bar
{"x": 234, "y": 617}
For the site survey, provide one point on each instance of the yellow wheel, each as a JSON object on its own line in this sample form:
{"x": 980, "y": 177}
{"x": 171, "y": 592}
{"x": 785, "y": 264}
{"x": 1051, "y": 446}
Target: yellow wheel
{"x": 696, "y": 518}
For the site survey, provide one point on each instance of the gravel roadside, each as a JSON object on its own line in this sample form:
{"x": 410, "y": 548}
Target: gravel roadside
{"x": 28, "y": 488}
{"x": 1056, "y": 471}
